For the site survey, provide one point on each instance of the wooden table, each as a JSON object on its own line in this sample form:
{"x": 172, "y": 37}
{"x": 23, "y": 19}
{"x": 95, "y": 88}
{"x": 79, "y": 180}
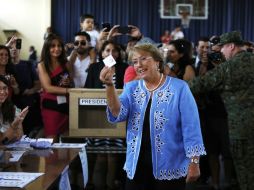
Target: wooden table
{"x": 49, "y": 161}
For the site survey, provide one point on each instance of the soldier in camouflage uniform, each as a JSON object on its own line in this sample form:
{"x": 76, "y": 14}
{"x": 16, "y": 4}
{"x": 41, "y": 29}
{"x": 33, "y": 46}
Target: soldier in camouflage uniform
{"x": 235, "y": 80}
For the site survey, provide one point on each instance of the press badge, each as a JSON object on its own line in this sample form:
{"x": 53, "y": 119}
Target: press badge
{"x": 61, "y": 99}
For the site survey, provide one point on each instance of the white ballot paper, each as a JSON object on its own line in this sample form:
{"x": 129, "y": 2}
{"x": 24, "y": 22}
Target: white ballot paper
{"x": 109, "y": 61}
{"x": 64, "y": 183}
{"x": 84, "y": 164}
{"x": 16, "y": 155}
{"x": 17, "y": 179}
{"x": 67, "y": 145}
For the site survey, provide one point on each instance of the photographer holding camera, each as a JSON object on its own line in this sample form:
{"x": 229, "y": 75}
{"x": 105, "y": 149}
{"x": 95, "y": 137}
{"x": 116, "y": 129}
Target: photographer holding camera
{"x": 214, "y": 115}
{"x": 215, "y": 55}
{"x": 208, "y": 54}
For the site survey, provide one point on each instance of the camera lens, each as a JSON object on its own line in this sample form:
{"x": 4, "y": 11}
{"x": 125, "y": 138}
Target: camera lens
{"x": 215, "y": 57}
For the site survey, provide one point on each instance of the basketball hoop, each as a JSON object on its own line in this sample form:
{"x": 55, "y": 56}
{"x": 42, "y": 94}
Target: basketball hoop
{"x": 185, "y": 19}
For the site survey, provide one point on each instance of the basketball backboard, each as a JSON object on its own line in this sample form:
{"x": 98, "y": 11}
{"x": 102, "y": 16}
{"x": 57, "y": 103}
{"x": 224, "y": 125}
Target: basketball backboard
{"x": 196, "y": 9}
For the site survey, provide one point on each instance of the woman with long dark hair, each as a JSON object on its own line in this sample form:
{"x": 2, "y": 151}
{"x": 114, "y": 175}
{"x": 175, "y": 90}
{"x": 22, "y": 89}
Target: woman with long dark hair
{"x": 180, "y": 54}
{"x": 10, "y": 118}
{"x": 107, "y": 48}
{"x": 7, "y": 69}
{"x": 54, "y": 75}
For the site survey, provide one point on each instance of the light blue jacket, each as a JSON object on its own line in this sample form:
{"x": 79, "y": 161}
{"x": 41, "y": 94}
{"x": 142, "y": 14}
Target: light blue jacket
{"x": 174, "y": 127}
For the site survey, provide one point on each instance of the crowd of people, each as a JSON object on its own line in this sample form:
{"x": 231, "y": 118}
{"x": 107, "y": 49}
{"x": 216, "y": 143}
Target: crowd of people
{"x": 185, "y": 114}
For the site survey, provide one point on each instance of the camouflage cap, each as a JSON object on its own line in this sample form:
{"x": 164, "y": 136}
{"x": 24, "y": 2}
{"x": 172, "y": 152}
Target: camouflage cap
{"x": 231, "y": 37}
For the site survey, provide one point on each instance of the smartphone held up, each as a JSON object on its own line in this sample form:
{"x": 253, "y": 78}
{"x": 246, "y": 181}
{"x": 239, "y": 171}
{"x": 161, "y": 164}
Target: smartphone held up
{"x": 107, "y": 26}
{"x": 18, "y": 43}
{"x": 124, "y": 29}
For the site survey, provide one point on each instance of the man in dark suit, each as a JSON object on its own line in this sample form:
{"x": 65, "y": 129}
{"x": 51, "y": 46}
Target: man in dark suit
{"x": 32, "y": 55}
{"x": 201, "y": 60}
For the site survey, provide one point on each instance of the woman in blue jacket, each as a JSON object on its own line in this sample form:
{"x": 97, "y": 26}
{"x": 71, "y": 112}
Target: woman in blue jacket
{"x": 164, "y": 140}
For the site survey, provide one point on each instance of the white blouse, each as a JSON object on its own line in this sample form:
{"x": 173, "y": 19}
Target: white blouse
{"x": 4, "y": 126}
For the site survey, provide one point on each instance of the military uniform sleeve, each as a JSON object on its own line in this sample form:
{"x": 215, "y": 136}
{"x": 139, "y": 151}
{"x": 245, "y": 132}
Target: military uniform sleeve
{"x": 212, "y": 80}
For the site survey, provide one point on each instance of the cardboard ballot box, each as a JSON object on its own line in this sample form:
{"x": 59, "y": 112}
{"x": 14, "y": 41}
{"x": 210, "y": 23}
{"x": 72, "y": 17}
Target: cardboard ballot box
{"x": 88, "y": 115}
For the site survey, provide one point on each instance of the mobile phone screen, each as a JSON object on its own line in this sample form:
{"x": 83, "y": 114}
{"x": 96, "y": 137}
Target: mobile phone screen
{"x": 18, "y": 43}
{"x": 106, "y": 25}
{"x": 124, "y": 29}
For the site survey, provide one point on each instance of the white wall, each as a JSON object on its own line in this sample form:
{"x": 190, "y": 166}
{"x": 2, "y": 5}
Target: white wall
{"x": 29, "y": 17}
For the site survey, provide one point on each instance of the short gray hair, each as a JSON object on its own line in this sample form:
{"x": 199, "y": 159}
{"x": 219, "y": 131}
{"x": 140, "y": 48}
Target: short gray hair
{"x": 152, "y": 50}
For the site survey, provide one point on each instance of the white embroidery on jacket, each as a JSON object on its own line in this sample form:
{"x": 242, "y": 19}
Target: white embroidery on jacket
{"x": 164, "y": 96}
{"x": 139, "y": 96}
{"x": 159, "y": 123}
{"x": 135, "y": 122}
{"x": 172, "y": 174}
{"x": 196, "y": 150}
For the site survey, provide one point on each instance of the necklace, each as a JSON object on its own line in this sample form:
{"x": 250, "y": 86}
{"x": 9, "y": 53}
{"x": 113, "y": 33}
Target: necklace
{"x": 157, "y": 86}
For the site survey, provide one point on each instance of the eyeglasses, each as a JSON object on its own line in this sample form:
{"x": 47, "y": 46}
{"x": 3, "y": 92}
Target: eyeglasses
{"x": 83, "y": 43}
{"x": 141, "y": 60}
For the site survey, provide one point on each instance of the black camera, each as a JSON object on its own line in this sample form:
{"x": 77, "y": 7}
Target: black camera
{"x": 249, "y": 50}
{"x": 215, "y": 57}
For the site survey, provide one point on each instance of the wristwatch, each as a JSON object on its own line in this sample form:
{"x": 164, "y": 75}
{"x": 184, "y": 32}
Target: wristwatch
{"x": 195, "y": 160}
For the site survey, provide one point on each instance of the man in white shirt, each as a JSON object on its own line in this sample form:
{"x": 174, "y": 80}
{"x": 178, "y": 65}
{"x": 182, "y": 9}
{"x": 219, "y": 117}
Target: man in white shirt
{"x": 80, "y": 59}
